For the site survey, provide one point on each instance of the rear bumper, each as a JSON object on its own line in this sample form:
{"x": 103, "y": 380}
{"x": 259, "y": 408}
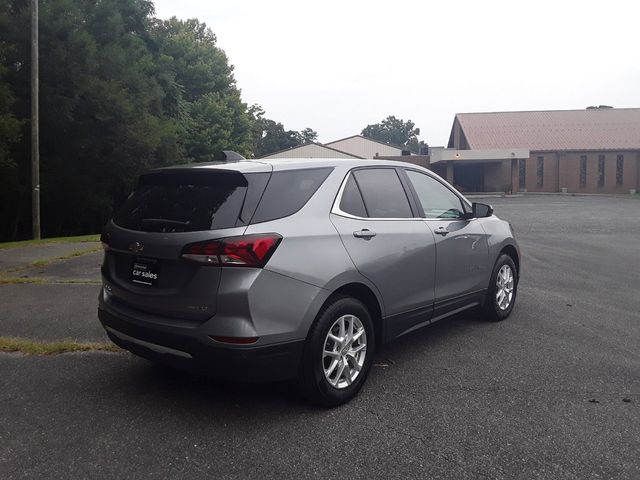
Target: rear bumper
{"x": 186, "y": 350}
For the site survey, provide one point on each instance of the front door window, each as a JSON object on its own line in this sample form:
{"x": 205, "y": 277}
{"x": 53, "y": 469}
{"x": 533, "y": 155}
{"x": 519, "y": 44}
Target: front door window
{"x": 436, "y": 200}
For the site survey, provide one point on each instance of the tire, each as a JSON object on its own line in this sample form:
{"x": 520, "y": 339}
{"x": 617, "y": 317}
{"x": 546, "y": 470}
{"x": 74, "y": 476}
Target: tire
{"x": 498, "y": 307}
{"x": 333, "y": 389}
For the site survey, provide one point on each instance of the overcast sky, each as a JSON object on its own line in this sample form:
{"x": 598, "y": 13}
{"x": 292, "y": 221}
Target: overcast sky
{"x": 336, "y": 66}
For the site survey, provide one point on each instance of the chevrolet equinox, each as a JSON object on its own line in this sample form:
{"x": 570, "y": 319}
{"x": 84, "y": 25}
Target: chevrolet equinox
{"x": 296, "y": 268}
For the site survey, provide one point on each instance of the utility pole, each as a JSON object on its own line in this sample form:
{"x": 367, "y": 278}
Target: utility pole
{"x": 35, "y": 121}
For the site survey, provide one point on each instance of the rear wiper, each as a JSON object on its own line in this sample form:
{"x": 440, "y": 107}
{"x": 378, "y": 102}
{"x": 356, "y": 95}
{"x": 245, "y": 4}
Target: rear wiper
{"x": 164, "y": 221}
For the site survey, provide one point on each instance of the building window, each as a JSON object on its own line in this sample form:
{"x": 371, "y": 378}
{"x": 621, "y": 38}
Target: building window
{"x": 600, "y": 171}
{"x": 583, "y": 171}
{"x": 619, "y": 170}
{"x": 522, "y": 174}
{"x": 540, "y": 172}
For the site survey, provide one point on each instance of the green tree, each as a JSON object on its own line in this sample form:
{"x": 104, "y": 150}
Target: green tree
{"x": 100, "y": 93}
{"x": 307, "y": 135}
{"x": 395, "y": 131}
{"x": 121, "y": 92}
{"x": 201, "y": 90}
{"x": 10, "y": 131}
{"x": 270, "y": 136}
{"x": 9, "y": 124}
{"x": 14, "y": 129}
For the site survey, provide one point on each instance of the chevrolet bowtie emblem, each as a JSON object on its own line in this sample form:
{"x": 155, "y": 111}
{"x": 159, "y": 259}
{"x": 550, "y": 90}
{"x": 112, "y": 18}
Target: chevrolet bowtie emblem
{"x": 136, "y": 247}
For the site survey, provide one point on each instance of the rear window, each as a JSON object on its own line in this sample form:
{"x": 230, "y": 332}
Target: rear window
{"x": 191, "y": 201}
{"x": 288, "y": 191}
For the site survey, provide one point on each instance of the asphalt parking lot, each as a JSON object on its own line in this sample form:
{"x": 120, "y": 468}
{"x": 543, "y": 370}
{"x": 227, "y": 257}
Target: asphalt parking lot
{"x": 553, "y": 392}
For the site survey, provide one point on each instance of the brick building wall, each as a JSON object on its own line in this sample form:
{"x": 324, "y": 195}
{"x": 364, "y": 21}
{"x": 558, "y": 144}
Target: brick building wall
{"x": 559, "y": 138}
{"x": 563, "y": 170}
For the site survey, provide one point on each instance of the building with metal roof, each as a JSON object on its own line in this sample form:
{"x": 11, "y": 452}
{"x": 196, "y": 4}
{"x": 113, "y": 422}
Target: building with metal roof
{"x": 596, "y": 150}
{"x": 355, "y": 146}
{"x": 311, "y": 150}
{"x": 366, "y": 147}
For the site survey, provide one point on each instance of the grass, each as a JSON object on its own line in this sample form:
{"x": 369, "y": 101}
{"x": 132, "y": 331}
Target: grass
{"x": 20, "y": 280}
{"x": 77, "y": 253}
{"x": 30, "y": 347}
{"x": 42, "y": 263}
{"x": 46, "y": 281}
{"x": 43, "y": 241}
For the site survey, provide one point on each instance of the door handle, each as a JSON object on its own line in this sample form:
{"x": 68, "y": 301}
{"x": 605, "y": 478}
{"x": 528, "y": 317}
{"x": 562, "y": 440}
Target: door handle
{"x": 441, "y": 231}
{"x": 364, "y": 233}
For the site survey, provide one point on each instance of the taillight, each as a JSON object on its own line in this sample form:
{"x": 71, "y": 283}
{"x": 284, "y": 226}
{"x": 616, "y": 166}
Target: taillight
{"x": 242, "y": 251}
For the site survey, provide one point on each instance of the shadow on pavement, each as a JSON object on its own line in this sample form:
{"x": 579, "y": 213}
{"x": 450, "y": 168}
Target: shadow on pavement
{"x": 185, "y": 389}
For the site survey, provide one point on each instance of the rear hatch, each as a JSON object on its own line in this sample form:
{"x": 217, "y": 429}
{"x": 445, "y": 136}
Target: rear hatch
{"x": 169, "y": 210}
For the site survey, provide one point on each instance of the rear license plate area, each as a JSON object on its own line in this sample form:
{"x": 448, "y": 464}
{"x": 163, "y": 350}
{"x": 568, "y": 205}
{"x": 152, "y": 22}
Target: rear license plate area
{"x": 145, "y": 271}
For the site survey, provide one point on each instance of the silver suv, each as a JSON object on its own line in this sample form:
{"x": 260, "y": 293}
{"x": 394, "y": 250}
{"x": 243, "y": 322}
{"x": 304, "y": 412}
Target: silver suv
{"x": 297, "y": 269}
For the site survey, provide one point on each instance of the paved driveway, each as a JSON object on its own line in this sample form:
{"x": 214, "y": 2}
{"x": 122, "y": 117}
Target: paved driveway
{"x": 553, "y": 392}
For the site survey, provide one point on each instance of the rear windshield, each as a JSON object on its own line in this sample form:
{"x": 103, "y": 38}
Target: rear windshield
{"x": 191, "y": 201}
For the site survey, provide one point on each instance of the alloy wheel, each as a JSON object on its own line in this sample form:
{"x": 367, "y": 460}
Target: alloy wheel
{"x": 344, "y": 351}
{"x": 504, "y": 287}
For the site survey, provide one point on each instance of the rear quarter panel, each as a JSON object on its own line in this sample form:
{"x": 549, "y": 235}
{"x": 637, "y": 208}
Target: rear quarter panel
{"x": 311, "y": 250}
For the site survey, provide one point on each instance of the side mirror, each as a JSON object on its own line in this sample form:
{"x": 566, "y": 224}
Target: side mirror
{"x": 481, "y": 210}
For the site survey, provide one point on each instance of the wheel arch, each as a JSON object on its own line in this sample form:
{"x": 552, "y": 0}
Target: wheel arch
{"x": 512, "y": 252}
{"x": 367, "y": 296}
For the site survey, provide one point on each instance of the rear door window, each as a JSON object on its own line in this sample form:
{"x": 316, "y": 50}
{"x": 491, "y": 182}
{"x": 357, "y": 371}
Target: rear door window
{"x": 189, "y": 201}
{"x": 288, "y": 191}
{"x": 383, "y": 193}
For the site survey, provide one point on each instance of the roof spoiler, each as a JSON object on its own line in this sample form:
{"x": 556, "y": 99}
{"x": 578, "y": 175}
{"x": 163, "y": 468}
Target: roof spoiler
{"x": 231, "y": 156}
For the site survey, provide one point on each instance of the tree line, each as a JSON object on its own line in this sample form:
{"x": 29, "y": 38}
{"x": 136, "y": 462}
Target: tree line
{"x": 121, "y": 91}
